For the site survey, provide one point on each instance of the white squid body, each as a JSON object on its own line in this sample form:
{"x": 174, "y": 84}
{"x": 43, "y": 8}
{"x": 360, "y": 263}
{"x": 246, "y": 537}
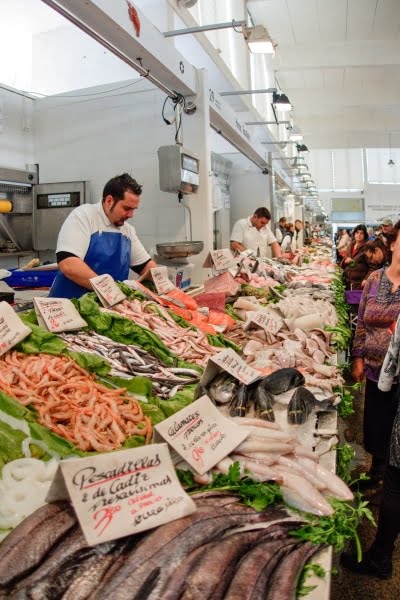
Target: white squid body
{"x": 334, "y": 484}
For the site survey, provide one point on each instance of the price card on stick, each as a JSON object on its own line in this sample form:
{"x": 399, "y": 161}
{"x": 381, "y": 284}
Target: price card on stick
{"x": 159, "y": 276}
{"x": 12, "y": 329}
{"x": 121, "y": 493}
{"x": 266, "y": 319}
{"x": 221, "y": 260}
{"x": 200, "y": 434}
{"x": 229, "y": 361}
{"x": 107, "y": 290}
{"x": 57, "y": 314}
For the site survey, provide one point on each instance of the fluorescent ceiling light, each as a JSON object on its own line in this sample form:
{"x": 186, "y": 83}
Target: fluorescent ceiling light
{"x": 258, "y": 40}
{"x": 281, "y": 102}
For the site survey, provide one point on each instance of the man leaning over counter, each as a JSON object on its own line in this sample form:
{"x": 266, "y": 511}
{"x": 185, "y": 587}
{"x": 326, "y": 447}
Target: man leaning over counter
{"x": 95, "y": 239}
{"x": 254, "y": 233}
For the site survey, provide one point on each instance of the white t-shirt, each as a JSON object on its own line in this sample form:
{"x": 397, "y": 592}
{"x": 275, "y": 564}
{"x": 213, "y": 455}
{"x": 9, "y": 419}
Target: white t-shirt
{"x": 88, "y": 219}
{"x": 251, "y": 237}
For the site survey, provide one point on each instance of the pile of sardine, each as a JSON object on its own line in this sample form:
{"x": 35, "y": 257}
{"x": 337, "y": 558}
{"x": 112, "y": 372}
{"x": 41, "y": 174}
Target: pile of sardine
{"x": 130, "y": 361}
{"x": 209, "y": 555}
{"x": 259, "y": 397}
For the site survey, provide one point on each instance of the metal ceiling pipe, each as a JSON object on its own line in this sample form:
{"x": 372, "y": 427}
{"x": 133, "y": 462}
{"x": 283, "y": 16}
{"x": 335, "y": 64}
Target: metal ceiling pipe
{"x": 135, "y": 65}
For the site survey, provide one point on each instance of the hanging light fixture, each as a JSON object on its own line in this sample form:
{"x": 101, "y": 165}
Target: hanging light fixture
{"x": 258, "y": 40}
{"x": 302, "y": 149}
{"x": 281, "y": 102}
{"x": 391, "y": 162}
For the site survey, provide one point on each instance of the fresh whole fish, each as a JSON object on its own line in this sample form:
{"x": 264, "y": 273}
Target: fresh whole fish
{"x": 240, "y": 402}
{"x": 25, "y": 547}
{"x": 302, "y": 403}
{"x": 263, "y": 404}
{"x": 282, "y": 380}
{"x": 222, "y": 388}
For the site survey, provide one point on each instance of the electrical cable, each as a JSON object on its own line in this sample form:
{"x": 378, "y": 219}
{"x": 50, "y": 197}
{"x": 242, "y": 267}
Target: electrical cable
{"x": 62, "y": 95}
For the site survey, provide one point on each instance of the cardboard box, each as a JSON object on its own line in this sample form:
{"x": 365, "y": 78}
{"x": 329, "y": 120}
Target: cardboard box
{"x": 181, "y": 275}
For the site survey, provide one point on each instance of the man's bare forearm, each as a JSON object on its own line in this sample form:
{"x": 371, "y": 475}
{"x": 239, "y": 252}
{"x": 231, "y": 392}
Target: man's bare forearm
{"x": 77, "y": 271}
{"x": 237, "y": 246}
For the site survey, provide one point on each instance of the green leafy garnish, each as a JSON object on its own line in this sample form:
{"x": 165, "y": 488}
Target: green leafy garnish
{"x": 252, "y": 493}
{"x": 337, "y": 529}
{"x": 344, "y": 457}
{"x": 346, "y": 405}
{"x": 308, "y": 570}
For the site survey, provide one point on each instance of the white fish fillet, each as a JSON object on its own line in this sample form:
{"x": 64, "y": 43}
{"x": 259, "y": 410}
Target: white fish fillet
{"x": 307, "y": 491}
{"x": 338, "y": 488}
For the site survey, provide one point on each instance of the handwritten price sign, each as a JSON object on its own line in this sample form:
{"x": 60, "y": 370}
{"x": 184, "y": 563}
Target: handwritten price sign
{"x": 107, "y": 290}
{"x": 223, "y": 259}
{"x": 265, "y": 319}
{"x": 57, "y": 314}
{"x": 12, "y": 329}
{"x": 121, "y": 493}
{"x": 201, "y": 434}
{"x": 161, "y": 281}
{"x": 231, "y": 362}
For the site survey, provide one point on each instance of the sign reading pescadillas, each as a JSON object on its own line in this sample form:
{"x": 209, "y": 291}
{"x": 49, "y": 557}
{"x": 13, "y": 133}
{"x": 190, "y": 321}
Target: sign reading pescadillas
{"x": 122, "y": 493}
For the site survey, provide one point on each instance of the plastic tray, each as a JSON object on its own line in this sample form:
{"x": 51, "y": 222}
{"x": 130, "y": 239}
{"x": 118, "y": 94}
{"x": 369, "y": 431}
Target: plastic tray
{"x": 31, "y": 279}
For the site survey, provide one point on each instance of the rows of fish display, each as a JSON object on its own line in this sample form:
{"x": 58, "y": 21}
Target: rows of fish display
{"x": 298, "y": 382}
{"x": 209, "y": 555}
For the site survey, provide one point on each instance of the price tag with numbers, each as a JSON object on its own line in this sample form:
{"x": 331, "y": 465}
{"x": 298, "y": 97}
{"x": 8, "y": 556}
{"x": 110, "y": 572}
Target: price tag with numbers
{"x": 107, "y": 290}
{"x": 12, "y": 329}
{"x": 200, "y": 434}
{"x": 57, "y": 314}
{"x": 229, "y": 361}
{"x": 220, "y": 260}
{"x": 159, "y": 276}
{"x": 266, "y": 319}
{"x": 121, "y": 493}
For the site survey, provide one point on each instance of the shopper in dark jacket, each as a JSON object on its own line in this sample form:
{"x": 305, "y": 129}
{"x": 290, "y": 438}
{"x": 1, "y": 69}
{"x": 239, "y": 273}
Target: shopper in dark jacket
{"x": 355, "y": 263}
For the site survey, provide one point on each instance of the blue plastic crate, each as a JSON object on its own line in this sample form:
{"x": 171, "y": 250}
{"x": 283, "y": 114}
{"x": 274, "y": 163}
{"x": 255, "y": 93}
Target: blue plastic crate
{"x": 31, "y": 279}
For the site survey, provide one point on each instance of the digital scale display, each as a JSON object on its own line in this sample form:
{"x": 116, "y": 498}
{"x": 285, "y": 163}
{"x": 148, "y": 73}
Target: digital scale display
{"x": 61, "y": 200}
{"x": 190, "y": 164}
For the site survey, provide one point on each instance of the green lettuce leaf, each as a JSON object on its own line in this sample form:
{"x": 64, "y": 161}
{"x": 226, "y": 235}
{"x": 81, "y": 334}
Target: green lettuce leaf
{"x": 182, "y": 399}
{"x": 137, "y": 385}
{"x": 15, "y": 409}
{"x": 91, "y": 362}
{"x": 41, "y": 341}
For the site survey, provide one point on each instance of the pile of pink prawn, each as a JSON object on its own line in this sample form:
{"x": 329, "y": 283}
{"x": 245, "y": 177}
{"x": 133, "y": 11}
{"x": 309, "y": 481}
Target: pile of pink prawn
{"x": 70, "y": 403}
{"x": 187, "y": 343}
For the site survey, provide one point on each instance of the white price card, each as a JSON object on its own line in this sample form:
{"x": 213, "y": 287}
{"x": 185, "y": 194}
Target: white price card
{"x": 201, "y": 435}
{"x": 57, "y": 314}
{"x": 121, "y": 493}
{"x": 229, "y": 361}
{"x": 221, "y": 260}
{"x": 266, "y": 319}
{"x": 159, "y": 276}
{"x": 107, "y": 290}
{"x": 12, "y": 329}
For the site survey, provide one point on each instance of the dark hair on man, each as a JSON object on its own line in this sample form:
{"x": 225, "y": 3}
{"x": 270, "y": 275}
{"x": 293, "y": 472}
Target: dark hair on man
{"x": 282, "y": 220}
{"x": 262, "y": 213}
{"x": 360, "y": 228}
{"x": 117, "y": 186}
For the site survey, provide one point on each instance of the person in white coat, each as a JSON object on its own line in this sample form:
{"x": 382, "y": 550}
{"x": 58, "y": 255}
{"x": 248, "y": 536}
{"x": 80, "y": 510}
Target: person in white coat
{"x": 254, "y": 233}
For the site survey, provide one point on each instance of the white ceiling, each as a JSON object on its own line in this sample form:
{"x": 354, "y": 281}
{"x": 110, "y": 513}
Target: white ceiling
{"x": 339, "y": 63}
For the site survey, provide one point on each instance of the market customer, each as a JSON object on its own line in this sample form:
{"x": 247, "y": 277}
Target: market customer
{"x": 298, "y": 233}
{"x": 386, "y": 229}
{"x": 378, "y": 311}
{"x": 355, "y": 262}
{"x": 377, "y": 256}
{"x": 342, "y": 243}
{"x": 377, "y": 561}
{"x": 95, "y": 239}
{"x": 255, "y": 234}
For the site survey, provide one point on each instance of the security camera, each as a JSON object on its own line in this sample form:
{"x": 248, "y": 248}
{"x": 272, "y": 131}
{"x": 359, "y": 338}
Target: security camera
{"x": 190, "y": 108}
{"x": 265, "y": 171}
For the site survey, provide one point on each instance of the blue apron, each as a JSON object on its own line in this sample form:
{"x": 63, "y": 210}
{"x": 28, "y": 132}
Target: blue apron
{"x": 107, "y": 253}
